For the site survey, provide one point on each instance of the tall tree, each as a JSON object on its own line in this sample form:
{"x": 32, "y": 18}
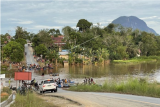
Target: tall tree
{"x": 66, "y": 31}
{"x": 13, "y": 51}
{"x": 45, "y": 38}
{"x": 21, "y": 41}
{"x": 41, "y": 50}
{"x": 54, "y": 32}
{"x": 36, "y": 40}
{"x": 149, "y": 44}
{"x": 52, "y": 55}
{"x": 21, "y": 33}
{"x": 83, "y": 24}
{"x": 110, "y": 28}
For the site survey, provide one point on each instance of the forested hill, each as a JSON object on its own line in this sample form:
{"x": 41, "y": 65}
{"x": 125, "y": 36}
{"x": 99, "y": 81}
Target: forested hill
{"x": 134, "y": 23}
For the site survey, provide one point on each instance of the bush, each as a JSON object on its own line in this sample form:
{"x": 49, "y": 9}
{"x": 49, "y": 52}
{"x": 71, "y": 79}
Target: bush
{"x": 8, "y": 91}
{"x": 30, "y": 100}
{"x": 131, "y": 86}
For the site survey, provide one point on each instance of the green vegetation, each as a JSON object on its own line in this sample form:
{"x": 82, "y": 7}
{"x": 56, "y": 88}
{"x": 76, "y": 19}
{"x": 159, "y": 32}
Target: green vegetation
{"x": 91, "y": 43}
{"x": 131, "y": 86}
{"x": 30, "y": 100}
{"x": 8, "y": 72}
{"x": 8, "y": 91}
{"x": 13, "y": 51}
{"x": 83, "y": 24}
{"x": 21, "y": 41}
{"x": 21, "y": 33}
{"x": 139, "y": 59}
{"x": 4, "y": 38}
{"x": 122, "y": 44}
{"x": 41, "y": 49}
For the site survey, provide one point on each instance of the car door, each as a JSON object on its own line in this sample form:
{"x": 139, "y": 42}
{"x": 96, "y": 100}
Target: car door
{"x": 41, "y": 86}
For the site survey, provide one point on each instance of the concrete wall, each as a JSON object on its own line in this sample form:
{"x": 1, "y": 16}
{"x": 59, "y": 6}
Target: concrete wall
{"x": 66, "y": 64}
{"x": 64, "y": 56}
{"x": 6, "y": 102}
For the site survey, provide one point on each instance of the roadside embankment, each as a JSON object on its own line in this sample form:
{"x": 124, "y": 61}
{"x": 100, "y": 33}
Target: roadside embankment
{"x": 6, "y": 92}
{"x": 30, "y": 100}
{"x": 131, "y": 86}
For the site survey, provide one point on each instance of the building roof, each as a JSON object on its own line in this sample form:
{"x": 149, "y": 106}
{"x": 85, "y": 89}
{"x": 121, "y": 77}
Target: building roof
{"x": 58, "y": 40}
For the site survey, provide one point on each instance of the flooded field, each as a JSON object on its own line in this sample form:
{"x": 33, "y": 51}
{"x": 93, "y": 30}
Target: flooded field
{"x": 151, "y": 69}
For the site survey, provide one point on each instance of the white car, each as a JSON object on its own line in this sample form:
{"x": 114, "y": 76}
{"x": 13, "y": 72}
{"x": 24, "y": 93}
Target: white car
{"x": 48, "y": 85}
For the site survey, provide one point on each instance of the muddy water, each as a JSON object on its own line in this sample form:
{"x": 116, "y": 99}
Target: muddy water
{"x": 100, "y": 73}
{"x": 151, "y": 69}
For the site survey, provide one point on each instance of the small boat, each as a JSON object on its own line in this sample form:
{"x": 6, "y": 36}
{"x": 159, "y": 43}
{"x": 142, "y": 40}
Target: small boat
{"x": 66, "y": 85}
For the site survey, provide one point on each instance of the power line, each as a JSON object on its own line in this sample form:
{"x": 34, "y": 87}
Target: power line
{"x": 84, "y": 42}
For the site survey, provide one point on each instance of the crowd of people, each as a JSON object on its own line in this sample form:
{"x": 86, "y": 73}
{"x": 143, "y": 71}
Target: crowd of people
{"x": 89, "y": 81}
{"x": 33, "y": 67}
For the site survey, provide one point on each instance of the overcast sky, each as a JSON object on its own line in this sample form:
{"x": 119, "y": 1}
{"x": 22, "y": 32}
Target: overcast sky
{"x": 34, "y": 15}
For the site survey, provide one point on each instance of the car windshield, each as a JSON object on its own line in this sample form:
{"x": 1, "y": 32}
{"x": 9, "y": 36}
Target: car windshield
{"x": 48, "y": 81}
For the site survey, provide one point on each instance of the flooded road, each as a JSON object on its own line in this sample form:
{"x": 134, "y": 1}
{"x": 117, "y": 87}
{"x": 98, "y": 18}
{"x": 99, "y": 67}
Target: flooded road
{"x": 151, "y": 70}
{"x": 100, "y": 73}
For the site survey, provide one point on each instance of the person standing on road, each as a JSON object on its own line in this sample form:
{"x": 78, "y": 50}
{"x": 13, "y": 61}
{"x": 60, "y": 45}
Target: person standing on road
{"x": 62, "y": 84}
{"x": 43, "y": 74}
{"x": 65, "y": 81}
{"x": 86, "y": 80}
{"x": 91, "y": 80}
{"x": 9, "y": 81}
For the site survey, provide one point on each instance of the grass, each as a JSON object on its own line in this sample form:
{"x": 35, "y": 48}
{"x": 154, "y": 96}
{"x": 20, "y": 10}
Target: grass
{"x": 139, "y": 59}
{"x": 30, "y": 100}
{"x": 7, "y": 90}
{"x": 131, "y": 86}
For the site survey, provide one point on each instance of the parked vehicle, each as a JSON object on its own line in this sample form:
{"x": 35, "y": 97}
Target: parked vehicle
{"x": 22, "y": 90}
{"x": 48, "y": 85}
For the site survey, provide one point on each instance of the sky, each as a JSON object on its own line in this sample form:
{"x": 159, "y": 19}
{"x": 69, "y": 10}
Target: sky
{"x": 34, "y": 15}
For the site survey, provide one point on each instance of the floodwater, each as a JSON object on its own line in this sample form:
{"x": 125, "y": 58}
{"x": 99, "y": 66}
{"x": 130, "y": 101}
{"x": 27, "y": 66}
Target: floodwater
{"x": 100, "y": 73}
{"x": 150, "y": 69}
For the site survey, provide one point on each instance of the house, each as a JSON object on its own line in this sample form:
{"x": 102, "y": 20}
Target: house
{"x": 58, "y": 41}
{"x": 63, "y": 54}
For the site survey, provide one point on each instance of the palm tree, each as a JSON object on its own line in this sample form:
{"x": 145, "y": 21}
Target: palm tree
{"x": 52, "y": 54}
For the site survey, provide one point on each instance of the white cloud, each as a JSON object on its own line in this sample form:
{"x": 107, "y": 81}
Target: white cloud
{"x": 20, "y": 21}
{"x": 24, "y": 22}
{"x": 107, "y": 22}
{"x": 65, "y": 22}
{"x": 45, "y": 27}
{"x": 62, "y": 13}
{"x": 74, "y": 27}
{"x": 13, "y": 19}
{"x": 151, "y": 17}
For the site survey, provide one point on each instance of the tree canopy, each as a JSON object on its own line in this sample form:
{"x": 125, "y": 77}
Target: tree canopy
{"x": 83, "y": 24}
{"x": 21, "y": 41}
{"x": 41, "y": 50}
{"x": 21, "y": 33}
{"x": 45, "y": 38}
{"x": 13, "y": 51}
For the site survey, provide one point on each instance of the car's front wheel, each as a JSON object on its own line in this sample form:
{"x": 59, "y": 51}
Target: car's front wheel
{"x": 55, "y": 90}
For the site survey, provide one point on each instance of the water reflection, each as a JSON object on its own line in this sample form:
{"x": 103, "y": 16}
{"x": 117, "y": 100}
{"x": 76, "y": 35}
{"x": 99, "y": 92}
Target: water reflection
{"x": 82, "y": 71}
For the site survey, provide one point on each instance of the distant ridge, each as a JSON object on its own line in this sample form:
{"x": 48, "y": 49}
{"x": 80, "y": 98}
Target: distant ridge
{"x": 134, "y": 23}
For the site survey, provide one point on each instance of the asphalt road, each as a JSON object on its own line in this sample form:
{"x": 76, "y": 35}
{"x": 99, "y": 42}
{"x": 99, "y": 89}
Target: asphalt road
{"x": 99, "y": 99}
{"x": 96, "y": 99}
{"x": 29, "y": 56}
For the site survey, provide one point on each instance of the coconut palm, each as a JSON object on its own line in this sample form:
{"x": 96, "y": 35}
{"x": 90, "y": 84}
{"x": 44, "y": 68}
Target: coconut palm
{"x": 51, "y": 55}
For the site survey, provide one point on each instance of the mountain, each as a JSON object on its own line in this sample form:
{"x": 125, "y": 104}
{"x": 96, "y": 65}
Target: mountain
{"x": 134, "y": 23}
